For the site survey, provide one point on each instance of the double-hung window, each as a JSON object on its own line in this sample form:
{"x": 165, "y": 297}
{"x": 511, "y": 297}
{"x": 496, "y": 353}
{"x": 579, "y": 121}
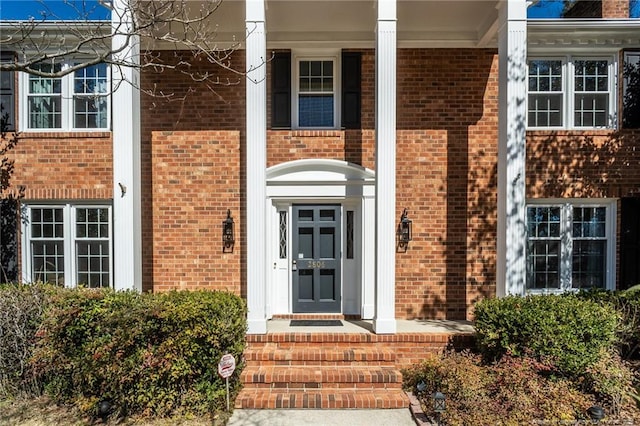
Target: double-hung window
{"x": 68, "y": 245}
{"x": 316, "y": 93}
{"x": 571, "y": 92}
{"x": 76, "y": 101}
{"x": 570, "y": 246}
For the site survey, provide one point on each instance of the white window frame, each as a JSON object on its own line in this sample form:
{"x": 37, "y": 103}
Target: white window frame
{"x": 67, "y": 104}
{"x": 568, "y": 81}
{"x": 566, "y": 240}
{"x": 69, "y": 239}
{"x": 316, "y": 55}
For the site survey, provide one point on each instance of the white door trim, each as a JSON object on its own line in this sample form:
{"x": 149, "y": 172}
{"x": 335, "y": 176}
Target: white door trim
{"x": 327, "y": 182}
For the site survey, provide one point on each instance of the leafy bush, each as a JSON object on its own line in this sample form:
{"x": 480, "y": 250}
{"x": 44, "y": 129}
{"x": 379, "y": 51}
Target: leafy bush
{"x": 568, "y": 330}
{"x": 153, "y": 354}
{"x": 627, "y": 303}
{"x": 611, "y": 381}
{"x": 513, "y": 391}
{"x": 21, "y": 312}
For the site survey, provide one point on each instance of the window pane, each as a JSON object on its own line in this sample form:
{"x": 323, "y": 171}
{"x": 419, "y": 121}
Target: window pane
{"x": 589, "y": 264}
{"x": 45, "y": 112}
{"x": 315, "y": 111}
{"x": 591, "y": 110}
{"x": 545, "y": 110}
{"x": 47, "y": 261}
{"x": 543, "y": 262}
{"x": 92, "y": 263}
{"x": 545, "y": 99}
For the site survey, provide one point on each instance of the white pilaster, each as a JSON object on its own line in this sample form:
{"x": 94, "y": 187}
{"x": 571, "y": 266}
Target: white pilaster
{"x": 127, "y": 222}
{"x": 256, "y": 151}
{"x": 385, "y": 321}
{"x": 368, "y": 257}
{"x": 511, "y": 250}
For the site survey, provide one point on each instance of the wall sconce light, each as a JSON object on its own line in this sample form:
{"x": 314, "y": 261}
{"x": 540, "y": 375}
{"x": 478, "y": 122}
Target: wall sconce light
{"x": 228, "y": 237}
{"x": 405, "y": 230}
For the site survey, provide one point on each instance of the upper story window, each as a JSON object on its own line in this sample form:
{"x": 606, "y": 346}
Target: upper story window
{"x": 316, "y": 94}
{"x": 76, "y": 101}
{"x": 570, "y": 245}
{"x": 571, "y": 92}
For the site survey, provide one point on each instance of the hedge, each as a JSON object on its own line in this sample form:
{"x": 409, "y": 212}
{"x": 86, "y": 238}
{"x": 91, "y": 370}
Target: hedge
{"x": 150, "y": 354}
{"x": 572, "y": 332}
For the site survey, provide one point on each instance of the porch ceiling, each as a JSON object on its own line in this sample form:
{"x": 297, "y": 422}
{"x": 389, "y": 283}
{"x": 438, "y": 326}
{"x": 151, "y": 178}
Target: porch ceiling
{"x": 352, "y": 23}
{"x": 437, "y": 23}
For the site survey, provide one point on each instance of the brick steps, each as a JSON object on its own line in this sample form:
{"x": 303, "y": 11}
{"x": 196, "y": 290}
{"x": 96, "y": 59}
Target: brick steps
{"x": 320, "y": 370}
{"x": 273, "y": 355}
{"x": 322, "y": 376}
{"x": 325, "y": 398}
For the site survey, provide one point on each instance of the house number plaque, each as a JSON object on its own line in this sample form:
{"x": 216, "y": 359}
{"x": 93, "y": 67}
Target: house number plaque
{"x": 315, "y": 264}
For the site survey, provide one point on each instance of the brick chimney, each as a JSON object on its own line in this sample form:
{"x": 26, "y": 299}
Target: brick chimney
{"x": 615, "y": 9}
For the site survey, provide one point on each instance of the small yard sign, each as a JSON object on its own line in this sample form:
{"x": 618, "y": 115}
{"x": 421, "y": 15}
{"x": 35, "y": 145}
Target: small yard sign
{"x": 226, "y": 366}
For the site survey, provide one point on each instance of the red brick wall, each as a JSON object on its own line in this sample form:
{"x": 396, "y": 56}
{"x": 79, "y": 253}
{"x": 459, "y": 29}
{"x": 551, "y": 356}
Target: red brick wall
{"x": 594, "y": 164}
{"x": 446, "y": 178}
{"x": 615, "y": 9}
{"x": 64, "y": 165}
{"x": 446, "y": 162}
{"x": 193, "y": 171}
{"x": 196, "y": 178}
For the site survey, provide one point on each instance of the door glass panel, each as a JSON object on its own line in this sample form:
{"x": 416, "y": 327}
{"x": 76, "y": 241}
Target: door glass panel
{"x": 305, "y": 215}
{"x": 327, "y": 243}
{"x": 327, "y": 215}
{"x": 327, "y": 287}
{"x": 305, "y": 243}
{"x": 305, "y": 285}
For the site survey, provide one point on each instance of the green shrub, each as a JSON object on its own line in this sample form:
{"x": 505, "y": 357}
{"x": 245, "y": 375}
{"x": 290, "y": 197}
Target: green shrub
{"x": 513, "y": 391}
{"x": 627, "y": 303}
{"x": 153, "y": 354}
{"x": 21, "y": 312}
{"x": 568, "y": 330}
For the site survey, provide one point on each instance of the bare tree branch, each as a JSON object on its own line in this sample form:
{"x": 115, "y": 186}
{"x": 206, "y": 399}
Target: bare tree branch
{"x": 184, "y": 26}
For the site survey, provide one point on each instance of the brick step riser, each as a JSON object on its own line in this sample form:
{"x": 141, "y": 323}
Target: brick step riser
{"x": 324, "y": 385}
{"x": 287, "y": 376}
{"x": 337, "y": 364}
{"x": 319, "y": 399}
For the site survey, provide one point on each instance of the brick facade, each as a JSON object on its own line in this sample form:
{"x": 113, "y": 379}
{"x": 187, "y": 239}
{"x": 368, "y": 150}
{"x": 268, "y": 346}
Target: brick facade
{"x": 64, "y": 165}
{"x": 193, "y": 170}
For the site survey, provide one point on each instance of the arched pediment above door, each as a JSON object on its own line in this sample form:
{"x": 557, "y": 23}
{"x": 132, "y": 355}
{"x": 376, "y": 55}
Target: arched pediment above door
{"x": 318, "y": 172}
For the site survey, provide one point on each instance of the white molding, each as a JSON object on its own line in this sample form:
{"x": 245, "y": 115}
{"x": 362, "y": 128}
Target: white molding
{"x": 331, "y": 182}
{"x": 256, "y": 149}
{"x": 127, "y": 216}
{"x": 385, "y": 260}
{"x": 511, "y": 241}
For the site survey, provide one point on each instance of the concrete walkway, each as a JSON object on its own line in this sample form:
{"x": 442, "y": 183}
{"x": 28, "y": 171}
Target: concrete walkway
{"x": 400, "y": 417}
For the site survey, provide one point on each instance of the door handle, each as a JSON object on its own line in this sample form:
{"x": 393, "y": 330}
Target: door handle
{"x": 294, "y": 265}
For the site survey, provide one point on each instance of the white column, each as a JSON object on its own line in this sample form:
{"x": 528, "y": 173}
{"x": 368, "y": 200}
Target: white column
{"x": 385, "y": 321}
{"x": 256, "y": 150}
{"x": 511, "y": 267}
{"x": 127, "y": 233}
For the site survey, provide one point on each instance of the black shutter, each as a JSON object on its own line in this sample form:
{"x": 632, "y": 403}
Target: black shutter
{"x": 351, "y": 90}
{"x": 630, "y": 243}
{"x": 8, "y": 240}
{"x": 281, "y": 90}
{"x": 7, "y": 92}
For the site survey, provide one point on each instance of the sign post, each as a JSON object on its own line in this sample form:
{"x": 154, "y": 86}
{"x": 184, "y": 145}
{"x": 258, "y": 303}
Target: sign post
{"x": 226, "y": 367}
